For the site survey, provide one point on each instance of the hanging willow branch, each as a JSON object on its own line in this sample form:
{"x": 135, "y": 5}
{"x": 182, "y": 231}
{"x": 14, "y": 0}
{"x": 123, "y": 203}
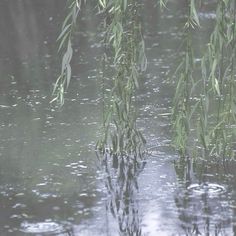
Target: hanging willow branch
{"x": 125, "y": 43}
{"x": 163, "y": 3}
{"x": 217, "y": 66}
{"x": 214, "y": 105}
{"x": 181, "y": 112}
{"x": 65, "y": 46}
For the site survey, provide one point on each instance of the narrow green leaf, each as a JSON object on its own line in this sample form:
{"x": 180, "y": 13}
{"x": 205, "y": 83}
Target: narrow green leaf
{"x": 217, "y": 87}
{"x": 62, "y": 43}
{"x": 68, "y": 76}
{"x": 64, "y": 31}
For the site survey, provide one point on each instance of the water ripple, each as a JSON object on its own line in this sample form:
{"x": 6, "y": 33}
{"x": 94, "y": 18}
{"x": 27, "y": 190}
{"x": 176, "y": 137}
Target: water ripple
{"x": 207, "y": 188}
{"x": 45, "y": 228}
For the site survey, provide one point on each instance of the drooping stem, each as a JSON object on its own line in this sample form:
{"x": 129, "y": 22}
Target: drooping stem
{"x": 126, "y": 47}
{"x": 65, "y": 46}
{"x": 181, "y": 112}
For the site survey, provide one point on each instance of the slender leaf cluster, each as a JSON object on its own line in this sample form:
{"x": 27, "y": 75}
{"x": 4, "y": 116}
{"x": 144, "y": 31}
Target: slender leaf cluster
{"x": 181, "y": 112}
{"x": 126, "y": 49}
{"x": 213, "y": 106}
{"x": 203, "y": 105}
{"x": 218, "y": 73}
{"x": 65, "y": 45}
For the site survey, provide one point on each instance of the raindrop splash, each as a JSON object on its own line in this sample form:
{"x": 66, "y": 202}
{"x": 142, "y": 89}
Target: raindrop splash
{"x": 207, "y": 188}
{"x": 45, "y": 228}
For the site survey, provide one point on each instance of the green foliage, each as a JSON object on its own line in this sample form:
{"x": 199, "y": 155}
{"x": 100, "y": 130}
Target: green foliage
{"x": 210, "y": 115}
{"x": 126, "y": 46}
{"x": 181, "y": 112}
{"x": 214, "y": 105}
{"x": 123, "y": 40}
{"x": 65, "y": 46}
{"x": 163, "y": 4}
{"x": 217, "y": 68}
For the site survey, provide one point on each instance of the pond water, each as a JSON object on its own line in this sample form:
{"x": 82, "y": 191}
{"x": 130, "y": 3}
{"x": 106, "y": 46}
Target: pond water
{"x": 51, "y": 181}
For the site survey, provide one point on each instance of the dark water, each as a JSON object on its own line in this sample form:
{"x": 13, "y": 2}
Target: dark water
{"x": 51, "y": 182}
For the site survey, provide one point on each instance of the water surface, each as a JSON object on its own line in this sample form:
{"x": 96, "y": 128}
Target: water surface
{"x": 51, "y": 182}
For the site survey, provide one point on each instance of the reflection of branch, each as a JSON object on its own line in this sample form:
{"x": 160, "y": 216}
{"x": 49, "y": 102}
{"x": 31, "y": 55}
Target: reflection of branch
{"x": 121, "y": 183}
{"x": 196, "y": 217}
{"x": 198, "y": 214}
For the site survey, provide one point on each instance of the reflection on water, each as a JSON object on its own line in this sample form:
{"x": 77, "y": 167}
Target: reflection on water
{"x": 122, "y": 186}
{"x": 47, "y": 167}
{"x": 204, "y": 209}
{"x": 204, "y": 216}
{"x": 49, "y": 175}
{"x": 46, "y": 228}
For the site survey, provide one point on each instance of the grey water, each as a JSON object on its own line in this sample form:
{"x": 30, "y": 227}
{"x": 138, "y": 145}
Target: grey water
{"x": 51, "y": 181}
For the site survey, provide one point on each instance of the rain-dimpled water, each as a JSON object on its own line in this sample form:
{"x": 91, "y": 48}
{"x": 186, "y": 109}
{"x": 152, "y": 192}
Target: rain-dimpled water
{"x": 51, "y": 180}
